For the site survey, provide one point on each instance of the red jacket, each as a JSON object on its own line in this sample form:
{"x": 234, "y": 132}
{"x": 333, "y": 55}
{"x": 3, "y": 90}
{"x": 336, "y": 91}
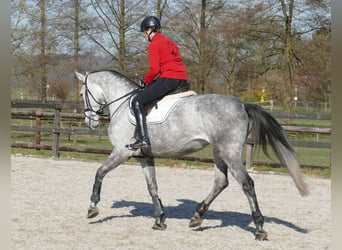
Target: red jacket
{"x": 164, "y": 60}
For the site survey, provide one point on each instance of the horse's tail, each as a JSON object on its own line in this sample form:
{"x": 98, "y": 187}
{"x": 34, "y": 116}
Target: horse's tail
{"x": 265, "y": 129}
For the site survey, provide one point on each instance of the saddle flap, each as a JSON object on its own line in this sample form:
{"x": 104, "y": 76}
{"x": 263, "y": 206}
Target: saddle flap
{"x": 162, "y": 108}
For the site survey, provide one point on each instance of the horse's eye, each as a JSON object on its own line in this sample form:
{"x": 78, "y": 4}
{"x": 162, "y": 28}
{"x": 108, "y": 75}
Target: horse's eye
{"x": 81, "y": 94}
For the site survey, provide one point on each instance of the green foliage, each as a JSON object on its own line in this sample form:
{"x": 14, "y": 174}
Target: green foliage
{"x": 249, "y": 96}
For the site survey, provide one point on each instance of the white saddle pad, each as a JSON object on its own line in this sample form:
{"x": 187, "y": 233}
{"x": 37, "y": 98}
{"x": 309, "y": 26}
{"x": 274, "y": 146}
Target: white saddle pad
{"x": 162, "y": 109}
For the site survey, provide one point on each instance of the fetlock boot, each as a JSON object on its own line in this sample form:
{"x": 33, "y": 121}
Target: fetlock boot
{"x": 142, "y": 136}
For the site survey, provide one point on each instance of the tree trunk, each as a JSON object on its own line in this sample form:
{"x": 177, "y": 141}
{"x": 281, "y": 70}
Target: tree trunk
{"x": 288, "y": 55}
{"x": 76, "y": 48}
{"x": 202, "y": 54}
{"x": 122, "y": 41}
{"x": 161, "y": 5}
{"x": 43, "y": 70}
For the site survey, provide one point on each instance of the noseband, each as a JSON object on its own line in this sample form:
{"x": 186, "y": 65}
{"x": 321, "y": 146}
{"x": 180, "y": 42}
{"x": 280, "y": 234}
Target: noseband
{"x": 88, "y": 95}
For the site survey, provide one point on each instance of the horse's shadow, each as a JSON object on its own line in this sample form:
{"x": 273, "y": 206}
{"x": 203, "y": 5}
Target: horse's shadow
{"x": 185, "y": 210}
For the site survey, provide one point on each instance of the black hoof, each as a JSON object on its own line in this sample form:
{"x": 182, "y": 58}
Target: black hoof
{"x": 159, "y": 223}
{"x": 159, "y": 226}
{"x": 261, "y": 235}
{"x": 195, "y": 221}
{"x": 92, "y": 212}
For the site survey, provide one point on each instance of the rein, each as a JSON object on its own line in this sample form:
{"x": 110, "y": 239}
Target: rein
{"x": 102, "y": 105}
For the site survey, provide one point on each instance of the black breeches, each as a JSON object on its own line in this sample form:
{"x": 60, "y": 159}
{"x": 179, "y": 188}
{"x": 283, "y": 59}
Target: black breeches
{"x": 158, "y": 90}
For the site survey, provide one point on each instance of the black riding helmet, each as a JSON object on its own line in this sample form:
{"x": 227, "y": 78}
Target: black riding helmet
{"x": 150, "y": 22}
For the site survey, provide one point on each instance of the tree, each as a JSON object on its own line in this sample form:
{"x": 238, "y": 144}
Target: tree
{"x": 242, "y": 49}
{"x": 112, "y": 28}
{"x": 297, "y": 24}
{"x": 314, "y": 74}
{"x": 42, "y": 61}
{"x": 76, "y": 47}
{"x": 37, "y": 38}
{"x": 193, "y": 26}
{"x": 161, "y": 7}
{"x": 228, "y": 47}
{"x": 288, "y": 50}
{"x": 262, "y": 46}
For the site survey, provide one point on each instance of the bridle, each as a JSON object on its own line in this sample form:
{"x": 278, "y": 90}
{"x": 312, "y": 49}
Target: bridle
{"x": 100, "y": 111}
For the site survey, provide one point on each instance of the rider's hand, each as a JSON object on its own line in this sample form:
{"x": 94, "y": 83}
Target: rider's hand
{"x": 142, "y": 83}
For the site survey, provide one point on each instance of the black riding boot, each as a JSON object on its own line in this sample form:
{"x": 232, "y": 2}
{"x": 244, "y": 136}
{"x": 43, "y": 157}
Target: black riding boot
{"x": 142, "y": 138}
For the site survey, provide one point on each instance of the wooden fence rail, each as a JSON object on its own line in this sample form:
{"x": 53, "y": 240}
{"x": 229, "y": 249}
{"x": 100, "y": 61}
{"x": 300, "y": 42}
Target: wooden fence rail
{"x": 56, "y": 129}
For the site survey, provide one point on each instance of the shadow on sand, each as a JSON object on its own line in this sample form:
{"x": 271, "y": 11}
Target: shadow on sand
{"x": 185, "y": 210}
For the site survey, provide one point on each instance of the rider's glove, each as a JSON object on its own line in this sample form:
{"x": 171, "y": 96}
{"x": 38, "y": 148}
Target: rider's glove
{"x": 142, "y": 83}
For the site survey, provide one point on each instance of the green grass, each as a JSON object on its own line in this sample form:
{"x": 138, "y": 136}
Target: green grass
{"x": 307, "y": 122}
{"x": 100, "y": 142}
{"x": 307, "y": 171}
{"x": 307, "y": 156}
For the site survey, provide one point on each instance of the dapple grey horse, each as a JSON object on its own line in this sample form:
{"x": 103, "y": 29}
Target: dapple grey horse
{"x": 196, "y": 121}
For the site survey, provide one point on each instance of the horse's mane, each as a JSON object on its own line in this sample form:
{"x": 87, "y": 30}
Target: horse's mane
{"x": 115, "y": 73}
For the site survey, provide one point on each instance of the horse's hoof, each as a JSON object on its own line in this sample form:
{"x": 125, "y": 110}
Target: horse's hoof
{"x": 261, "y": 235}
{"x": 195, "y": 221}
{"x": 92, "y": 212}
{"x": 158, "y": 226}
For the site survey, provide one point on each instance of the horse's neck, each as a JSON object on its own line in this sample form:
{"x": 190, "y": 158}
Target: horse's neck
{"x": 119, "y": 108}
{"x": 113, "y": 90}
{"x": 113, "y": 95}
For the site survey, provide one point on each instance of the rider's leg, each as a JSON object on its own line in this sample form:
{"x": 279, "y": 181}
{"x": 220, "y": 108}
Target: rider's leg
{"x": 142, "y": 138}
{"x": 152, "y": 92}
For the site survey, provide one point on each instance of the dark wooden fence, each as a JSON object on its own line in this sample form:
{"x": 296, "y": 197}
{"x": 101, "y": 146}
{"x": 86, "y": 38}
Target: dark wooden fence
{"x": 34, "y": 112}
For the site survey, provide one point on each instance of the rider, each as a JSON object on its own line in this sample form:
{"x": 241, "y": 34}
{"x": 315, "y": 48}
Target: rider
{"x": 166, "y": 73}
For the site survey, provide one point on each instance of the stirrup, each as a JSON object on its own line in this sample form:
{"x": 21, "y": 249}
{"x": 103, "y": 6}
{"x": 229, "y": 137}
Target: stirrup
{"x": 140, "y": 143}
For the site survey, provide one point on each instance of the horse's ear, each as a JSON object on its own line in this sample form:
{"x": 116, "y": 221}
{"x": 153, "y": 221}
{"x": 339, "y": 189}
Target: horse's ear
{"x": 80, "y": 76}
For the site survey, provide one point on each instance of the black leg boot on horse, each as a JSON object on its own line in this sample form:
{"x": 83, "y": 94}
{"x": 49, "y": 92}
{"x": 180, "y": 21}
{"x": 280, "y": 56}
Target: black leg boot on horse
{"x": 142, "y": 138}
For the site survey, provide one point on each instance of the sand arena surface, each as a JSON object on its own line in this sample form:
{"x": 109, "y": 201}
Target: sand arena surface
{"x": 50, "y": 198}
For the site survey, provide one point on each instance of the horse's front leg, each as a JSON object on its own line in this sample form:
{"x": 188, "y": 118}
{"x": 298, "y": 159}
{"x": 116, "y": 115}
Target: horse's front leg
{"x": 112, "y": 162}
{"x": 150, "y": 175}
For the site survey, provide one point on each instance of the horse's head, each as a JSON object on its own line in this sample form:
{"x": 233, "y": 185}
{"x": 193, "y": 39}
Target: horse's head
{"x": 101, "y": 89}
{"x": 93, "y": 98}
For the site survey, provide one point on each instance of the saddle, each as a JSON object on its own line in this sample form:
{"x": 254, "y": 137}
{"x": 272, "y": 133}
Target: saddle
{"x": 158, "y": 111}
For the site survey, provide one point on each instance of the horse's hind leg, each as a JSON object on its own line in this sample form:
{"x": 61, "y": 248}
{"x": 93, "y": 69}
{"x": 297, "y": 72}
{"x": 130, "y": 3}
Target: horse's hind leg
{"x": 240, "y": 174}
{"x": 220, "y": 183}
{"x": 147, "y": 164}
{"x": 112, "y": 162}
